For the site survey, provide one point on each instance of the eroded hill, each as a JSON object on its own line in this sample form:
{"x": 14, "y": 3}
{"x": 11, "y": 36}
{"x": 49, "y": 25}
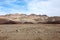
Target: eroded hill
{"x": 28, "y": 19}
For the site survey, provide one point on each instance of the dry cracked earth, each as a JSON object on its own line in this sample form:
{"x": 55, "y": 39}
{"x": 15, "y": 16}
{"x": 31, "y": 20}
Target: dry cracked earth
{"x": 30, "y": 32}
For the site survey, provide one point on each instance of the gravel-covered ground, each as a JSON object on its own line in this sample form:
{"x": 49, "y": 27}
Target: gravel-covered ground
{"x": 30, "y": 32}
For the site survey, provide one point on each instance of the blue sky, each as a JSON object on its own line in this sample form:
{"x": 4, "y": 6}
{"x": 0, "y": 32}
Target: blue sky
{"x": 48, "y": 7}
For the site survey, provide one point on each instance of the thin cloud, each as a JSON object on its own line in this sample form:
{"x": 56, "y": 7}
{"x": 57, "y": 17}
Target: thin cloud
{"x": 49, "y": 7}
{"x": 54, "y": 7}
{"x": 38, "y": 7}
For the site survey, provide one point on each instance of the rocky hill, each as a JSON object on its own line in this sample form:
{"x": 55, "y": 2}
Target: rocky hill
{"x": 23, "y": 18}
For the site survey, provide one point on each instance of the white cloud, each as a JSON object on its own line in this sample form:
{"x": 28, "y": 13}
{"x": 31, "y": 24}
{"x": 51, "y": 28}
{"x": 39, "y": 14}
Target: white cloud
{"x": 54, "y": 7}
{"x": 49, "y": 7}
{"x": 14, "y": 8}
{"x": 38, "y": 7}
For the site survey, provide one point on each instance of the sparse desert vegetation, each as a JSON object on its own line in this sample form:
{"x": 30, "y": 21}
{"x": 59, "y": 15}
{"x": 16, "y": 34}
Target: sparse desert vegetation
{"x": 29, "y": 27}
{"x": 30, "y": 32}
{"x": 29, "y": 19}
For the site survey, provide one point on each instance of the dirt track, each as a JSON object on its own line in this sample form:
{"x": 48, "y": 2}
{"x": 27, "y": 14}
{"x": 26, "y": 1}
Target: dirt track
{"x": 30, "y": 32}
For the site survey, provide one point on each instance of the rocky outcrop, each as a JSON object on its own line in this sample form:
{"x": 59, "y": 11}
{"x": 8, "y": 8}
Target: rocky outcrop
{"x": 6, "y": 21}
{"x": 28, "y": 19}
{"x": 54, "y": 20}
{"x": 23, "y": 18}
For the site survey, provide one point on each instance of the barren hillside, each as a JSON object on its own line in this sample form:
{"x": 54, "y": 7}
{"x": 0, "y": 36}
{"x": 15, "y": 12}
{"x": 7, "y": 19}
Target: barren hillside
{"x": 32, "y": 18}
{"x": 23, "y": 18}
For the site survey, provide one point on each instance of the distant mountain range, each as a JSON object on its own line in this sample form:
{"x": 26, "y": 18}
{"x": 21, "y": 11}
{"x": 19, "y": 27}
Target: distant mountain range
{"x": 28, "y": 19}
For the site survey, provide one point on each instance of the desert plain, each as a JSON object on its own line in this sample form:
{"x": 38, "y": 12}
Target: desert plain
{"x": 30, "y": 32}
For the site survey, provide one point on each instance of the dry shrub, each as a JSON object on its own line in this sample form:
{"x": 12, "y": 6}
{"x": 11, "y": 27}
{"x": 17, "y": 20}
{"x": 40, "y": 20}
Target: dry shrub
{"x": 28, "y": 22}
{"x": 38, "y": 38}
{"x": 3, "y": 37}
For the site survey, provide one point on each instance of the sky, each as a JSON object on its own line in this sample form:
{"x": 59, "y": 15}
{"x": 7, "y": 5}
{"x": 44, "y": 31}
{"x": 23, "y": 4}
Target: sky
{"x": 48, "y": 7}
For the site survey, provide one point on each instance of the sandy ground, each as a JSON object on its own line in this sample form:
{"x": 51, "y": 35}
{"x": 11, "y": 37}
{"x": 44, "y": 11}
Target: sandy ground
{"x": 30, "y": 32}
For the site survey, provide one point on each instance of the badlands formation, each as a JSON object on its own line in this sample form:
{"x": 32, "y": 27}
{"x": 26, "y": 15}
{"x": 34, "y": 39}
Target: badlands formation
{"x": 28, "y": 19}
